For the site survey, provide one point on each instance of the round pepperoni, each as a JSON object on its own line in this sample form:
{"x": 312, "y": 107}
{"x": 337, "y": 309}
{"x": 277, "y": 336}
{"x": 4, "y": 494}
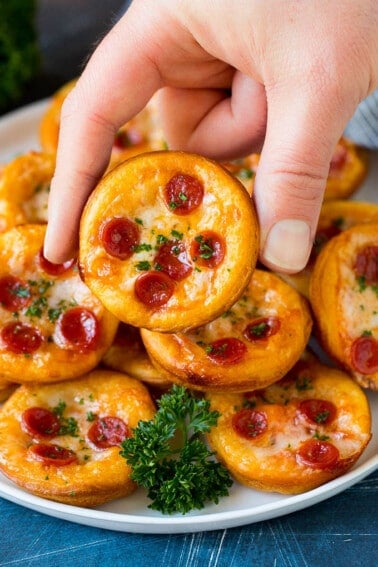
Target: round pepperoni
{"x": 172, "y": 259}
{"x": 51, "y": 454}
{"x": 154, "y": 288}
{"x": 108, "y": 432}
{"x": 249, "y": 423}
{"x": 226, "y": 351}
{"x": 366, "y": 265}
{"x": 79, "y": 328}
{"x": 262, "y": 328}
{"x": 40, "y": 422}
{"x": 364, "y": 355}
{"x": 119, "y": 237}
{"x": 14, "y": 293}
{"x": 318, "y": 454}
{"x": 339, "y": 159}
{"x": 321, "y": 412}
{"x": 183, "y": 194}
{"x": 20, "y": 338}
{"x": 53, "y": 269}
{"x": 208, "y": 249}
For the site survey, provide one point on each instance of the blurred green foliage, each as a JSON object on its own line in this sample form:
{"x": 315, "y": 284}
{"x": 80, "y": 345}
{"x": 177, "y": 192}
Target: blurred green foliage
{"x": 19, "y": 52}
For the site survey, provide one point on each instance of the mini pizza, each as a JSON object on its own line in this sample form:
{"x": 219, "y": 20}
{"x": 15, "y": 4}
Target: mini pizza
{"x": 168, "y": 241}
{"x": 62, "y": 441}
{"x": 24, "y": 190}
{"x": 306, "y": 429}
{"x": 348, "y": 170}
{"x": 128, "y": 354}
{"x": 343, "y": 294}
{"x": 250, "y": 346}
{"x": 51, "y": 325}
{"x": 142, "y": 133}
{"x": 335, "y": 217}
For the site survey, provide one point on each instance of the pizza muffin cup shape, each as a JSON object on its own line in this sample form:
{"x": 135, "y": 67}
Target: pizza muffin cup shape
{"x": 62, "y": 441}
{"x": 335, "y": 217}
{"x": 51, "y": 325}
{"x": 24, "y": 189}
{"x": 128, "y": 354}
{"x": 168, "y": 241}
{"x": 348, "y": 169}
{"x": 250, "y": 346}
{"x": 343, "y": 294}
{"x": 303, "y": 431}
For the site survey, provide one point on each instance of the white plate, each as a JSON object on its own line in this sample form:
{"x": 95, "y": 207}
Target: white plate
{"x": 19, "y": 133}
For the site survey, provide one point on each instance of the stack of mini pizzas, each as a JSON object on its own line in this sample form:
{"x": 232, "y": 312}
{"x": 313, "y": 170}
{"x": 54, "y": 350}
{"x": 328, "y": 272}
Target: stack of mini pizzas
{"x": 166, "y": 290}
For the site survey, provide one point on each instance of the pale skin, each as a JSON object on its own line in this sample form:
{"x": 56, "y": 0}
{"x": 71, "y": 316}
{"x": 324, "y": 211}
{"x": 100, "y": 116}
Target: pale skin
{"x": 235, "y": 76}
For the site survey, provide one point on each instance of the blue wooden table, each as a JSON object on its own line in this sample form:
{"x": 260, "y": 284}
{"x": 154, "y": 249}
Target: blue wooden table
{"x": 340, "y": 532}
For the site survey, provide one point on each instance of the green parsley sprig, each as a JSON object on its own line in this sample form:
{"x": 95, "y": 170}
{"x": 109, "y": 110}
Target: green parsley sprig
{"x": 169, "y": 458}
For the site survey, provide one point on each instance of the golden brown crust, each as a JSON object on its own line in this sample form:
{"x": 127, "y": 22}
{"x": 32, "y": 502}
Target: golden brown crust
{"x": 344, "y": 305}
{"x": 24, "y": 189}
{"x": 99, "y": 475}
{"x": 187, "y": 358}
{"x": 43, "y": 300}
{"x": 269, "y": 460}
{"x": 135, "y": 191}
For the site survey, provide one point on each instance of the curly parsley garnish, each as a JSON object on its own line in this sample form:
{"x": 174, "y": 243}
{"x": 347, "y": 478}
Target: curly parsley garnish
{"x": 169, "y": 458}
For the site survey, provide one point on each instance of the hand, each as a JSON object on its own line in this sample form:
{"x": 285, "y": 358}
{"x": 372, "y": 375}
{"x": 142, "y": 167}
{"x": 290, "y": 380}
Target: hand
{"x": 235, "y": 77}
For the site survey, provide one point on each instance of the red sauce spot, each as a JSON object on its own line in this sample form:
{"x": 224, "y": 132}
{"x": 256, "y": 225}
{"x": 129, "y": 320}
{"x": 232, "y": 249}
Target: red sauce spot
{"x": 366, "y": 265}
{"x": 321, "y": 412}
{"x": 172, "y": 259}
{"x": 20, "y": 338}
{"x": 119, "y": 237}
{"x": 80, "y": 329}
{"x": 339, "y": 159}
{"x": 40, "y": 422}
{"x": 183, "y": 194}
{"x": 14, "y": 293}
{"x": 318, "y": 454}
{"x": 208, "y": 249}
{"x": 51, "y": 454}
{"x": 53, "y": 269}
{"x": 249, "y": 423}
{"x": 108, "y": 432}
{"x": 262, "y": 328}
{"x": 154, "y": 288}
{"x": 226, "y": 351}
{"x": 364, "y": 355}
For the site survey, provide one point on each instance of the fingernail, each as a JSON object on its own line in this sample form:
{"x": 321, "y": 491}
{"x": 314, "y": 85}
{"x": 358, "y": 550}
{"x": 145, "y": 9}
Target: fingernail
{"x": 288, "y": 245}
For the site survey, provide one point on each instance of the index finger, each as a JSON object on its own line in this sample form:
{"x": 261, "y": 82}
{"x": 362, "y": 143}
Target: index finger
{"x": 112, "y": 89}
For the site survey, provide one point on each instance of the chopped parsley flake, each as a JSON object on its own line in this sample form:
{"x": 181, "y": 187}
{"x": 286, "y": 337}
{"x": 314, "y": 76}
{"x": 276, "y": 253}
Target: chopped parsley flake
{"x": 160, "y": 239}
{"x": 367, "y": 333}
{"x": 205, "y": 248}
{"x": 143, "y": 266}
{"x": 139, "y": 221}
{"x": 142, "y": 247}
{"x": 177, "y": 234}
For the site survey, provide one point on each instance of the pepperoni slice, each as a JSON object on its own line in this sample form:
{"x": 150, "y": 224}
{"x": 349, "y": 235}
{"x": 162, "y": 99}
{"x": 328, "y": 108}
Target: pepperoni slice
{"x": 14, "y": 293}
{"x": 107, "y": 432}
{"x": 318, "y": 454}
{"x": 208, "y": 249}
{"x": 40, "y": 422}
{"x": 364, "y": 355}
{"x": 172, "y": 259}
{"x": 262, "y": 328}
{"x": 249, "y": 423}
{"x": 51, "y": 454}
{"x": 183, "y": 194}
{"x": 321, "y": 412}
{"x": 154, "y": 288}
{"x": 20, "y": 338}
{"x": 366, "y": 265}
{"x": 338, "y": 159}
{"x": 119, "y": 237}
{"x": 53, "y": 269}
{"x": 226, "y": 351}
{"x": 80, "y": 329}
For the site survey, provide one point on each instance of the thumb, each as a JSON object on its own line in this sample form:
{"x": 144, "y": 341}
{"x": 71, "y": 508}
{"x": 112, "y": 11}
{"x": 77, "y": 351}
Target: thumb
{"x": 291, "y": 178}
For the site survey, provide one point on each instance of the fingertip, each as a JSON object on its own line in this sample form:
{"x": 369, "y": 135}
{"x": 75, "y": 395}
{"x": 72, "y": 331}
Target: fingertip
{"x": 287, "y": 246}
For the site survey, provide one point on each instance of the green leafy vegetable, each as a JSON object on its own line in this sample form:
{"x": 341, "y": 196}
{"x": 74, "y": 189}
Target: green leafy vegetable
{"x": 169, "y": 458}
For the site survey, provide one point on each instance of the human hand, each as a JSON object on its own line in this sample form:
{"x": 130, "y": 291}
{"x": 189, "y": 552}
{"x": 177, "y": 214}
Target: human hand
{"x": 236, "y": 76}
